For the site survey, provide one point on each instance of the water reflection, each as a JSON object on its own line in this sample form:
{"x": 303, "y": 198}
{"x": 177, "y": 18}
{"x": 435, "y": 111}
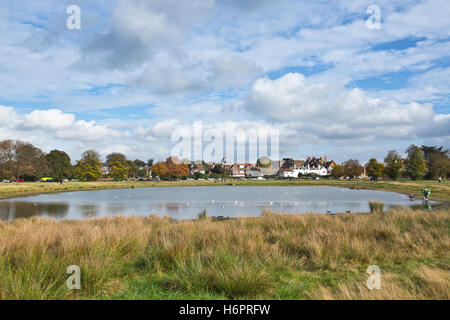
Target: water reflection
{"x": 89, "y": 210}
{"x": 11, "y": 210}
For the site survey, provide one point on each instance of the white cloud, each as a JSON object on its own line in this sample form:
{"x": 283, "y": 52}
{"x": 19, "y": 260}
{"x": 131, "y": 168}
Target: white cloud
{"x": 48, "y": 120}
{"x": 333, "y": 112}
{"x": 8, "y": 117}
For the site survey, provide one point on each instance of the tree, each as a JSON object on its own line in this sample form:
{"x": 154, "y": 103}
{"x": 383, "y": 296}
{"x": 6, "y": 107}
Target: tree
{"x": 374, "y": 168}
{"x": 118, "y": 170}
{"x": 177, "y": 170}
{"x": 338, "y": 171}
{"x": 150, "y": 162}
{"x": 439, "y": 166}
{"x": 21, "y": 160}
{"x": 112, "y": 157}
{"x": 218, "y": 169}
{"x": 59, "y": 166}
{"x": 160, "y": 169}
{"x": 133, "y": 170}
{"x": 434, "y": 154}
{"x": 89, "y": 168}
{"x": 353, "y": 168}
{"x": 394, "y": 165}
{"x": 415, "y": 163}
{"x": 170, "y": 170}
{"x": 139, "y": 163}
{"x": 7, "y": 155}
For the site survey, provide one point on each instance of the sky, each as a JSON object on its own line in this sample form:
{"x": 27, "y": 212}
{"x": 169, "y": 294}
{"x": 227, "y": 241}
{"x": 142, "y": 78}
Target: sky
{"x": 139, "y": 70}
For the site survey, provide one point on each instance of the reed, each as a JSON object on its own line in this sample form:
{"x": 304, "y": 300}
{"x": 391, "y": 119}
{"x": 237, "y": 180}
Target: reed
{"x": 376, "y": 207}
{"x": 272, "y": 257}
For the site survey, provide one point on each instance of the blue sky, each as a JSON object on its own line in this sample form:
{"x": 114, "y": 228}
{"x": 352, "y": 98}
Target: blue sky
{"x": 138, "y": 70}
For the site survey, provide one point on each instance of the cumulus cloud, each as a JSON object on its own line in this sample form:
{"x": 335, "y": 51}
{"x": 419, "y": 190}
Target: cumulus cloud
{"x": 333, "y": 112}
{"x": 8, "y": 117}
{"x": 53, "y": 119}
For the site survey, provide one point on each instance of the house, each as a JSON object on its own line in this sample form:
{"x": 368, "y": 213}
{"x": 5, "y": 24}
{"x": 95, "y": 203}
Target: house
{"x": 105, "y": 169}
{"x": 148, "y": 170}
{"x": 197, "y": 168}
{"x": 238, "y": 170}
{"x": 254, "y": 172}
{"x": 288, "y": 173}
{"x": 312, "y": 166}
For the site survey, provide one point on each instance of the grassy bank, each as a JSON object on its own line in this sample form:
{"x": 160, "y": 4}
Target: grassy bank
{"x": 439, "y": 191}
{"x": 273, "y": 257}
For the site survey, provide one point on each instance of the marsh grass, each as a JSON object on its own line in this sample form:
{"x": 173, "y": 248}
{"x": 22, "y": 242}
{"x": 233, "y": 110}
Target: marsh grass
{"x": 376, "y": 207}
{"x": 271, "y": 257}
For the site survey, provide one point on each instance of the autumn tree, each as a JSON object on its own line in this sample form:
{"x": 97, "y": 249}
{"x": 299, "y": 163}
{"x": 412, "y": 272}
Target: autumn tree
{"x": 394, "y": 165}
{"x": 160, "y": 169}
{"x": 21, "y": 160}
{"x": 7, "y": 158}
{"x": 374, "y": 168}
{"x": 59, "y": 166}
{"x": 353, "y": 168}
{"x": 177, "y": 170}
{"x": 89, "y": 168}
{"x": 415, "y": 163}
{"x": 338, "y": 171}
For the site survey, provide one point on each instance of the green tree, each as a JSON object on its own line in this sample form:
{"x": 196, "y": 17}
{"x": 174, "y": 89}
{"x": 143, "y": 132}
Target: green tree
{"x": 439, "y": 166}
{"x": 118, "y": 170}
{"x": 394, "y": 165}
{"x": 415, "y": 163}
{"x": 435, "y": 158}
{"x": 133, "y": 170}
{"x": 113, "y": 157}
{"x": 353, "y": 168}
{"x": 374, "y": 168}
{"x": 89, "y": 168}
{"x": 338, "y": 171}
{"x": 218, "y": 169}
{"x": 59, "y": 166}
{"x": 139, "y": 163}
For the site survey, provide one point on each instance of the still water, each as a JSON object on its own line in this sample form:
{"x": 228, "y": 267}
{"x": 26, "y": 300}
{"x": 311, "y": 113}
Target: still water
{"x": 188, "y": 202}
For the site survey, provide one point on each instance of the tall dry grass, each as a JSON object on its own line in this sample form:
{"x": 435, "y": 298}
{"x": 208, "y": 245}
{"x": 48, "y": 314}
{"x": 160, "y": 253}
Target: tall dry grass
{"x": 275, "y": 256}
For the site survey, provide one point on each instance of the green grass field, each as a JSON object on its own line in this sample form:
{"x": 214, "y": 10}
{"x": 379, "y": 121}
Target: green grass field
{"x": 439, "y": 191}
{"x": 272, "y": 257}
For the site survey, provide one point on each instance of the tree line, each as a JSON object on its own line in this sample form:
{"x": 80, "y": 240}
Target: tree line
{"x": 22, "y": 161}
{"x": 429, "y": 162}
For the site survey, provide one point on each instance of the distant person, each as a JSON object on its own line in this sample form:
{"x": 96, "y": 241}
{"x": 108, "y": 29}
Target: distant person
{"x": 440, "y": 179}
{"x": 426, "y": 194}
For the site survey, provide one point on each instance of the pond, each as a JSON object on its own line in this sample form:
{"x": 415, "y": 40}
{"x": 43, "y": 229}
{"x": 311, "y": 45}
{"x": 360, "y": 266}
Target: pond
{"x": 188, "y": 202}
